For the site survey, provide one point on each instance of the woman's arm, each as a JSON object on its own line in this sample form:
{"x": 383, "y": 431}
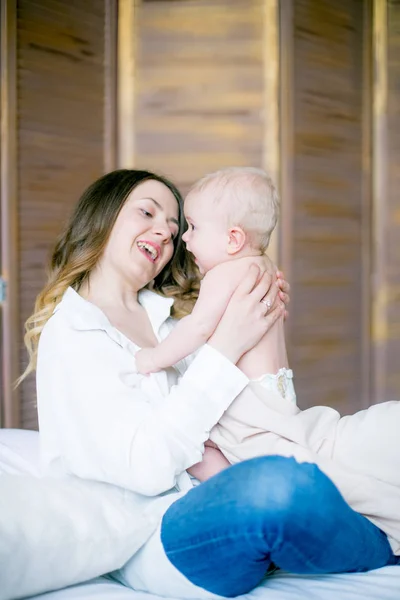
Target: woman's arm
{"x": 110, "y": 429}
{"x": 105, "y": 427}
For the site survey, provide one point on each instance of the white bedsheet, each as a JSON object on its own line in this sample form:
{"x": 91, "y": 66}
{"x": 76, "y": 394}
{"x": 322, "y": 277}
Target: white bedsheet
{"x": 19, "y": 453}
{"x": 382, "y": 584}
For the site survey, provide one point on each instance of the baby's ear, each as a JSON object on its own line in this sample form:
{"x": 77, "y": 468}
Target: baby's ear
{"x": 236, "y": 240}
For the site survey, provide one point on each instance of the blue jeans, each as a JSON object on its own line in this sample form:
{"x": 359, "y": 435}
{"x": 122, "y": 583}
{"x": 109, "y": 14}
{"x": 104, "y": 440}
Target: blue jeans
{"x": 226, "y": 533}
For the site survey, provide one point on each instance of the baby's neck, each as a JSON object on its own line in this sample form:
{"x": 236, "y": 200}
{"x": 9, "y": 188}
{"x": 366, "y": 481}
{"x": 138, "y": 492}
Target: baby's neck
{"x": 246, "y": 252}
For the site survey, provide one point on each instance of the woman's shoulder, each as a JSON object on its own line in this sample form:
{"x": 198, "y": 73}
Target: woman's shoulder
{"x": 76, "y": 340}
{"x": 78, "y": 313}
{"x": 71, "y": 315}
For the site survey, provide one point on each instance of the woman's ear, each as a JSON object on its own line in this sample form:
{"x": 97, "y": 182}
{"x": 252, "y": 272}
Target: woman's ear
{"x": 236, "y": 240}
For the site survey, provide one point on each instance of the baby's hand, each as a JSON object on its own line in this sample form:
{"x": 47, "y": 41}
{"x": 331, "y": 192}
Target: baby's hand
{"x": 145, "y": 362}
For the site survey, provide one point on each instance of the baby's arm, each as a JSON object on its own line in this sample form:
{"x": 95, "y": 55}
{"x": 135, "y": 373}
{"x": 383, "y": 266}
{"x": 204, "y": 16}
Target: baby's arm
{"x": 194, "y": 330}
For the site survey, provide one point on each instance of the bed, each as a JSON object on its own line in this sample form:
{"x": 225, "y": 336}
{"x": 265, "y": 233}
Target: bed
{"x": 19, "y": 453}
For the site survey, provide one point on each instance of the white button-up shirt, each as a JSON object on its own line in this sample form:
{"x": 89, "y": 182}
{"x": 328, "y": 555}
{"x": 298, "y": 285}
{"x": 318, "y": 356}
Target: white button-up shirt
{"x": 99, "y": 419}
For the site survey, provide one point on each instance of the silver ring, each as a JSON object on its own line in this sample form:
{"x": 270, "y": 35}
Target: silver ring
{"x": 267, "y": 303}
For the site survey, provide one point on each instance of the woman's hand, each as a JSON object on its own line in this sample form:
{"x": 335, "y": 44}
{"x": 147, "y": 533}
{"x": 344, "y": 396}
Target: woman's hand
{"x": 284, "y": 290}
{"x": 254, "y": 307}
{"x": 284, "y": 287}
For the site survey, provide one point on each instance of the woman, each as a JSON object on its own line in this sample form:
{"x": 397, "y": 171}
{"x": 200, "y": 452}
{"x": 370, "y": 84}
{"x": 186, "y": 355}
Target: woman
{"x": 100, "y": 419}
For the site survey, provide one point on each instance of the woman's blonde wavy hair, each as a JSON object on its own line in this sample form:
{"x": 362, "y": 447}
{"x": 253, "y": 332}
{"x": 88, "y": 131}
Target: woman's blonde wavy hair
{"x": 82, "y": 243}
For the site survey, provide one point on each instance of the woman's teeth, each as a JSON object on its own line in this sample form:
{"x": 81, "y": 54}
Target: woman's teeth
{"x": 149, "y": 249}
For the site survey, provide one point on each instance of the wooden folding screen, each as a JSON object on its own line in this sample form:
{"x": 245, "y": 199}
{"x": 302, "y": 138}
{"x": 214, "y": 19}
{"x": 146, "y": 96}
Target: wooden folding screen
{"x": 305, "y": 88}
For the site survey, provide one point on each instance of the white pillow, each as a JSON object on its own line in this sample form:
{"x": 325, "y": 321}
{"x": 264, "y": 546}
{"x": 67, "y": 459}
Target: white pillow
{"x": 19, "y": 452}
{"x": 57, "y": 532}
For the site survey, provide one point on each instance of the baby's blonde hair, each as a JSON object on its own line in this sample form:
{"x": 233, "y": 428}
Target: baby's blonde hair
{"x": 250, "y": 197}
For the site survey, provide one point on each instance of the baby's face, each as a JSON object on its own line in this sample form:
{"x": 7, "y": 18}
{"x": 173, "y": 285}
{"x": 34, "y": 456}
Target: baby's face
{"x": 207, "y": 234}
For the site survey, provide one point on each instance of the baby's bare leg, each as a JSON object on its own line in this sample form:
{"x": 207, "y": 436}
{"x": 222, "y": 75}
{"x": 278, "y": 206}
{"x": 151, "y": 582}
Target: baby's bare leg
{"x": 213, "y": 462}
{"x": 268, "y": 356}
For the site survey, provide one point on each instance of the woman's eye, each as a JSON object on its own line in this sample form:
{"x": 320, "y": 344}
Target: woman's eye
{"x": 146, "y": 213}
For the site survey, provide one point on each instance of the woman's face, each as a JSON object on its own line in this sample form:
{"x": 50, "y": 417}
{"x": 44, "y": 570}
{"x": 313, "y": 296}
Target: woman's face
{"x": 141, "y": 241}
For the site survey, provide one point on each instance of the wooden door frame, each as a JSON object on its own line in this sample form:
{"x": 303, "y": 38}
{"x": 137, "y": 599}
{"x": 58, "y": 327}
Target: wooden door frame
{"x": 111, "y": 38}
{"x": 10, "y": 334}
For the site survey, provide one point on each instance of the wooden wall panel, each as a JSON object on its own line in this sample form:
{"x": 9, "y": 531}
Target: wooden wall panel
{"x": 199, "y": 86}
{"x": 326, "y": 270}
{"x": 60, "y": 132}
{"x": 198, "y": 75}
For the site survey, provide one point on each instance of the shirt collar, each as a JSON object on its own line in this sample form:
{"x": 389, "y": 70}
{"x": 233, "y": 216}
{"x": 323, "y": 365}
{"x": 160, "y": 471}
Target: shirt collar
{"x": 85, "y": 316}
{"x": 158, "y": 307}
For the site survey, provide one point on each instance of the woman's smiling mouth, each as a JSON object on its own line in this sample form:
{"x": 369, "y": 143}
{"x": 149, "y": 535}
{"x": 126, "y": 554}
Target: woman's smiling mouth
{"x": 150, "y": 250}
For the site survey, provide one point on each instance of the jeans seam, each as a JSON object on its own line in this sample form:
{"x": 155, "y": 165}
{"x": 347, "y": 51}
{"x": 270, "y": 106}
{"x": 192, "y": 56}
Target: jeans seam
{"x": 225, "y": 538}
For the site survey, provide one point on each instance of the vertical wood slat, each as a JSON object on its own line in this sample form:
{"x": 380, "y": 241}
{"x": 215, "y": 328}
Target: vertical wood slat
{"x": 366, "y": 209}
{"x": 386, "y": 213}
{"x": 9, "y": 400}
{"x": 286, "y": 122}
{"x": 271, "y": 106}
{"x": 132, "y": 80}
{"x": 126, "y": 81}
{"x": 110, "y": 85}
{"x": 379, "y": 110}
{"x": 392, "y": 391}
{"x": 326, "y": 326}
{"x": 199, "y": 86}
{"x": 61, "y": 132}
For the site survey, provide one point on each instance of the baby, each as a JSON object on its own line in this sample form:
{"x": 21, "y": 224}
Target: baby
{"x": 231, "y": 214}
